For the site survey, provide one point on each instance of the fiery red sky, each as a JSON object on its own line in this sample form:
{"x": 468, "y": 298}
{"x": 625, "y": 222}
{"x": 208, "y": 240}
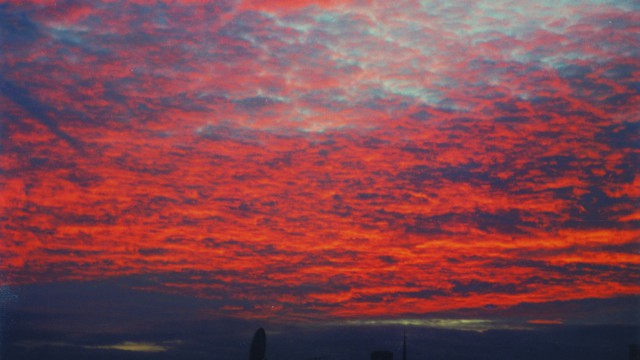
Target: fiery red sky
{"x": 314, "y": 161}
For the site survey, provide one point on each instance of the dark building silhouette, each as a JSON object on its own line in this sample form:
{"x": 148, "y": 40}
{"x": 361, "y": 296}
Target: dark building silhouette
{"x": 258, "y": 345}
{"x": 382, "y": 355}
{"x": 634, "y": 352}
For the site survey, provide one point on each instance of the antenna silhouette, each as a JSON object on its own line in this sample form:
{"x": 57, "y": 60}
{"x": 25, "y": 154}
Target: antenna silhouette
{"x": 404, "y": 345}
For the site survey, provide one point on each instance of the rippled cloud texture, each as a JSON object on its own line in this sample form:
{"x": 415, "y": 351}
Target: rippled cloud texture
{"x": 313, "y": 161}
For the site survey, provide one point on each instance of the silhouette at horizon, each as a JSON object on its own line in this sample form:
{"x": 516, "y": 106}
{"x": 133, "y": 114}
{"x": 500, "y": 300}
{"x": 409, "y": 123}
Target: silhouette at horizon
{"x": 382, "y": 355}
{"x": 258, "y": 345}
{"x": 634, "y": 352}
{"x": 404, "y": 345}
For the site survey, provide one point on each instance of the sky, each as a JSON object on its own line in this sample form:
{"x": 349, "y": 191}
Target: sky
{"x": 176, "y": 174}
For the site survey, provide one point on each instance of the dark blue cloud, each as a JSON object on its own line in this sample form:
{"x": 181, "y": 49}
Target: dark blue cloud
{"x": 256, "y": 103}
{"x": 483, "y": 287}
{"x": 17, "y": 30}
{"x": 40, "y": 111}
{"x": 625, "y": 135}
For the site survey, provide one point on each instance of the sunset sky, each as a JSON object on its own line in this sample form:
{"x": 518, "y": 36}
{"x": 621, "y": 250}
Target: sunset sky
{"x": 176, "y": 174}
